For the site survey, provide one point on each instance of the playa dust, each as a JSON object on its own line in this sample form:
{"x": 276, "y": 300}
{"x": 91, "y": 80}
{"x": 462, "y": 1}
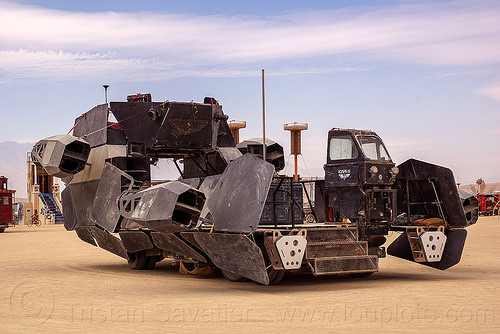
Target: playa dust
{"x": 52, "y": 282}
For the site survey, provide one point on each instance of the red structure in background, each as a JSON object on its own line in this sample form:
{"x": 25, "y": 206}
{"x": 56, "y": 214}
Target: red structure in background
{"x": 488, "y": 204}
{"x": 6, "y": 202}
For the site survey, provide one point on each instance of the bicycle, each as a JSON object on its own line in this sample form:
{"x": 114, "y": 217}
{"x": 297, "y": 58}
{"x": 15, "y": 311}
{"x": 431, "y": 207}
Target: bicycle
{"x": 34, "y": 220}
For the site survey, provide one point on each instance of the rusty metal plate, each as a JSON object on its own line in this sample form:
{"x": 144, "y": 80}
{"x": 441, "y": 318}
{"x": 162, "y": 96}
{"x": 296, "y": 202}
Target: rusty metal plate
{"x": 172, "y": 243}
{"x": 85, "y": 234}
{"x": 135, "y": 241}
{"x": 235, "y": 253}
{"x": 189, "y": 237}
{"x": 109, "y": 242}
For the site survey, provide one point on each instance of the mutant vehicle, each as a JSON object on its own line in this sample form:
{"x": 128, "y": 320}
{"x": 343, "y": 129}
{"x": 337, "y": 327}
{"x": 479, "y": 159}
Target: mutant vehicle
{"x": 231, "y": 209}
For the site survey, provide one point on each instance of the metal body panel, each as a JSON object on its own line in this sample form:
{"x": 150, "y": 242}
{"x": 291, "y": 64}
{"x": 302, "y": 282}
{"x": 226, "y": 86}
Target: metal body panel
{"x": 451, "y": 255}
{"x": 78, "y": 197}
{"x": 471, "y": 206}
{"x": 133, "y": 119}
{"x": 207, "y": 187}
{"x": 62, "y": 155}
{"x": 92, "y": 125}
{"x": 135, "y": 241}
{"x": 192, "y": 182}
{"x": 274, "y": 151}
{"x": 172, "y": 243}
{"x": 188, "y": 125}
{"x": 170, "y": 228}
{"x": 97, "y": 159}
{"x": 234, "y": 253}
{"x": 105, "y": 211}
{"x": 109, "y": 242}
{"x": 85, "y": 234}
{"x": 189, "y": 237}
{"x": 238, "y": 199}
{"x": 155, "y": 203}
{"x": 346, "y": 202}
{"x": 229, "y": 153}
{"x": 224, "y": 136}
{"x": 171, "y": 127}
{"x": 419, "y": 183}
{"x": 342, "y": 176}
{"x": 78, "y": 200}
{"x": 163, "y": 204}
{"x": 68, "y": 209}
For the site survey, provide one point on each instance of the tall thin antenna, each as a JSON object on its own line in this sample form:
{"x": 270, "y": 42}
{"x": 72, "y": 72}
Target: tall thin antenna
{"x": 106, "y": 97}
{"x": 263, "y": 120}
{"x": 106, "y": 92}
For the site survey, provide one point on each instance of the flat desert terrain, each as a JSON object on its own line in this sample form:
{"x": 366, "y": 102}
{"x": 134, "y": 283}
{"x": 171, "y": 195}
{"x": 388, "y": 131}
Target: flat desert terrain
{"x": 51, "y": 282}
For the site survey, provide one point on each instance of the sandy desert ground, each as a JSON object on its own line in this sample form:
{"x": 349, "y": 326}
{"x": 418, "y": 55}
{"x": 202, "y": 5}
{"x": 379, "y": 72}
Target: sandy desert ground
{"x": 52, "y": 282}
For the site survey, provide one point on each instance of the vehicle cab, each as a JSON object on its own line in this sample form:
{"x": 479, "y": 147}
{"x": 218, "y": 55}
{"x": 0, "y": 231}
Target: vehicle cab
{"x": 359, "y": 174}
{"x": 357, "y": 157}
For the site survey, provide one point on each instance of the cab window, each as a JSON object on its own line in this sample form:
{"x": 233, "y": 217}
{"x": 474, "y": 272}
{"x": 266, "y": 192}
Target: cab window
{"x": 373, "y": 148}
{"x": 342, "y": 148}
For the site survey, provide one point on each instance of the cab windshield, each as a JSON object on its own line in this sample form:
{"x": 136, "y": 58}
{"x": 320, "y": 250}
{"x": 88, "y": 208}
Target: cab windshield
{"x": 373, "y": 148}
{"x": 342, "y": 148}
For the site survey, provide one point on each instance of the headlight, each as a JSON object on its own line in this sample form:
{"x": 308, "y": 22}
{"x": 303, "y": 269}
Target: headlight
{"x": 374, "y": 170}
{"x": 394, "y": 170}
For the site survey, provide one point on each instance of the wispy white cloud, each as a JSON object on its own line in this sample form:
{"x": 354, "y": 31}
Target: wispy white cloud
{"x": 42, "y": 42}
{"x": 62, "y": 64}
{"x": 491, "y": 91}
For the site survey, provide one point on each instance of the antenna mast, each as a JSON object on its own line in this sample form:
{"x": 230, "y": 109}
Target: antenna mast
{"x": 263, "y": 120}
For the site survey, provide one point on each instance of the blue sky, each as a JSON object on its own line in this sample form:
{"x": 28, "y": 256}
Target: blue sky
{"x": 424, "y": 75}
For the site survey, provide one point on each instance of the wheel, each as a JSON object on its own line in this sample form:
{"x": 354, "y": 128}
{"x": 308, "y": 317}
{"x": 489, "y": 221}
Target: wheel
{"x": 29, "y": 223}
{"x": 233, "y": 277}
{"x": 138, "y": 260}
{"x": 310, "y": 218}
{"x": 275, "y": 276}
{"x": 2, "y": 229}
{"x": 37, "y": 222}
{"x": 152, "y": 260}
